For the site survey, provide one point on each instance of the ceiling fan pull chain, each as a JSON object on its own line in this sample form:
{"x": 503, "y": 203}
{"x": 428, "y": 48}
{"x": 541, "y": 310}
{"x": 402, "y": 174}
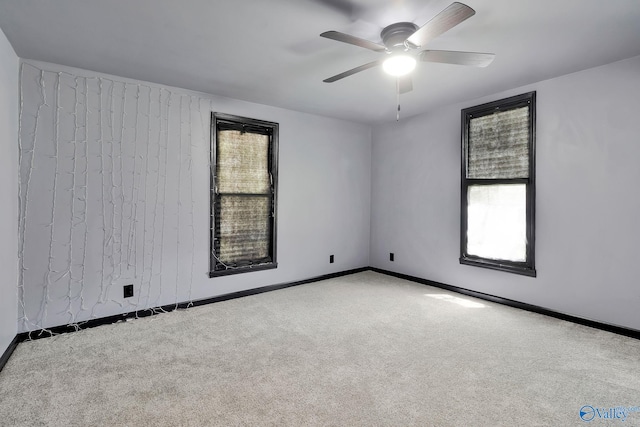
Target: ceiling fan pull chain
{"x": 398, "y": 98}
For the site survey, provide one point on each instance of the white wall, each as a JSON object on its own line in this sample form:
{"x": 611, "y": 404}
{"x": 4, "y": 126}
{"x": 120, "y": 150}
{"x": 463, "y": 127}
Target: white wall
{"x": 587, "y": 230}
{"x": 8, "y": 192}
{"x": 115, "y": 190}
{"x": 84, "y": 183}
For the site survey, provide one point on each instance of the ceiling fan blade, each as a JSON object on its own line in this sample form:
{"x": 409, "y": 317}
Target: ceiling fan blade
{"x": 473, "y": 59}
{"x": 356, "y": 41}
{"x": 353, "y": 71}
{"x": 444, "y": 21}
{"x": 405, "y": 84}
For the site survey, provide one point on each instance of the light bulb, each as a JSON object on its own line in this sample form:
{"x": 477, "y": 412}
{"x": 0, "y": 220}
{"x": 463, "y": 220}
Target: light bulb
{"x": 399, "y": 65}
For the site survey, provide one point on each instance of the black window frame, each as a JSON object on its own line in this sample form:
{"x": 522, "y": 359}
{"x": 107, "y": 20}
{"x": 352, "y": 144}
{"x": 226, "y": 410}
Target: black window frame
{"x": 244, "y": 124}
{"x": 527, "y": 267}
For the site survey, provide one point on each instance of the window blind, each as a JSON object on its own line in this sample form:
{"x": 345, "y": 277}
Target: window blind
{"x": 244, "y": 228}
{"x": 244, "y": 198}
{"x": 242, "y": 162}
{"x": 498, "y": 145}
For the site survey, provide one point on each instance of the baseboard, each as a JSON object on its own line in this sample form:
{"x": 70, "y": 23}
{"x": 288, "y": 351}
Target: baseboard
{"x": 7, "y": 353}
{"x": 42, "y": 333}
{"x": 620, "y": 330}
{"x": 62, "y": 329}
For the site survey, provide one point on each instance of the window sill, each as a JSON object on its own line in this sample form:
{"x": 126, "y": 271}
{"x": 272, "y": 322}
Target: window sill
{"x": 239, "y": 270}
{"x": 497, "y": 265}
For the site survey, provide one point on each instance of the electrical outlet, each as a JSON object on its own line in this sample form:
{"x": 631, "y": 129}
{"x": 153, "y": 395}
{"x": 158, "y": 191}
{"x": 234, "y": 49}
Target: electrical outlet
{"x": 330, "y": 259}
{"x": 128, "y": 291}
{"x": 391, "y": 256}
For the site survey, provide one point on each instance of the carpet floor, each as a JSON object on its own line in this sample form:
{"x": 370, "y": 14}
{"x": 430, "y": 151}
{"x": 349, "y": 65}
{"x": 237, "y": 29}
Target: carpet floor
{"x": 360, "y": 350}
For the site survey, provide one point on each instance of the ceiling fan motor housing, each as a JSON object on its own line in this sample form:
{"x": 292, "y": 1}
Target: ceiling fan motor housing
{"x": 394, "y": 35}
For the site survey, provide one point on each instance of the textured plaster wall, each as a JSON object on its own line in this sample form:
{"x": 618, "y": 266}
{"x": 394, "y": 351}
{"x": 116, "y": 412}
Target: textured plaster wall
{"x": 114, "y": 189}
{"x": 587, "y": 229}
{"x": 8, "y": 191}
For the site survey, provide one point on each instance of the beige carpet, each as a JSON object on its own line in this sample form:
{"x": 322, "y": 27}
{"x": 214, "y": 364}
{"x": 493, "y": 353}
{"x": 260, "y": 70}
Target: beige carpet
{"x": 360, "y": 350}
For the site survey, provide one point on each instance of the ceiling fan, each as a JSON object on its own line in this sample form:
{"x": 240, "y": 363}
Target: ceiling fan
{"x": 401, "y": 41}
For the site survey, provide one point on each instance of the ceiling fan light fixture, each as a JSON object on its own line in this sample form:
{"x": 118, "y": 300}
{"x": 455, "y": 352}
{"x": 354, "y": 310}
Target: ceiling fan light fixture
{"x": 399, "y": 65}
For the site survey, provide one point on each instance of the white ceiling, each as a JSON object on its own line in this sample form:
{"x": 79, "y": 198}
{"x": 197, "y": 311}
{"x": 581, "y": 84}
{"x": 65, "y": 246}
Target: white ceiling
{"x": 270, "y": 52}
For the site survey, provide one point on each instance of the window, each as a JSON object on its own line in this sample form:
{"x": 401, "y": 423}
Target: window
{"x": 497, "y": 227}
{"x": 244, "y": 157}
